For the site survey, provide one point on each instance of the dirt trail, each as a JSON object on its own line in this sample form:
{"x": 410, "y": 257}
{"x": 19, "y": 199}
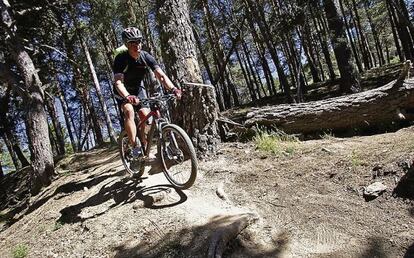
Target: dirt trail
{"x": 306, "y": 204}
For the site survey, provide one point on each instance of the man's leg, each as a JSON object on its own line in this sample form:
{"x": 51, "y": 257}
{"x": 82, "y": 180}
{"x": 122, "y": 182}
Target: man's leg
{"x": 142, "y": 113}
{"x": 129, "y": 122}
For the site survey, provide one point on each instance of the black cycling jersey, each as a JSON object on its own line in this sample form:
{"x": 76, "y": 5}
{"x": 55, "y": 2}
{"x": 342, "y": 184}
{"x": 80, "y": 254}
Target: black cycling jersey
{"x": 134, "y": 70}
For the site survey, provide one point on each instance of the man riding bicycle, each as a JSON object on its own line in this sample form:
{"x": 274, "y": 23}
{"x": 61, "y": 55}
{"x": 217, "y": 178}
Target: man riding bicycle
{"x": 130, "y": 67}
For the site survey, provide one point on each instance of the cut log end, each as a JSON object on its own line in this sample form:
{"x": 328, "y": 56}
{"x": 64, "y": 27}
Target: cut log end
{"x": 404, "y": 73}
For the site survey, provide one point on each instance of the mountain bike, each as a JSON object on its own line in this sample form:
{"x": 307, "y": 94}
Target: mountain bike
{"x": 174, "y": 147}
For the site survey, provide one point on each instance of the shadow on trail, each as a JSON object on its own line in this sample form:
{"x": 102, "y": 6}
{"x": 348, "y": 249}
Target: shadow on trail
{"x": 195, "y": 242}
{"x": 375, "y": 248}
{"x": 410, "y": 251}
{"x": 72, "y": 187}
{"x": 119, "y": 193}
{"x": 60, "y": 192}
{"x": 405, "y": 187}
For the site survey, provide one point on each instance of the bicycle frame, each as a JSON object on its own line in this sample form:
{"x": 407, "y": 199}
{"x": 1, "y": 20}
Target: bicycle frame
{"x": 156, "y": 124}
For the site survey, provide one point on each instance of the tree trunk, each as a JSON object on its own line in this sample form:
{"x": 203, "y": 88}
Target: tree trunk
{"x": 246, "y": 77}
{"x": 262, "y": 52}
{"x": 131, "y": 18}
{"x": 320, "y": 32}
{"x": 208, "y": 69}
{"x": 5, "y": 128}
{"x": 60, "y": 139}
{"x": 377, "y": 41}
{"x": 403, "y": 33}
{"x": 265, "y": 31}
{"x": 9, "y": 146}
{"x": 91, "y": 116}
{"x": 401, "y": 8}
{"x": 36, "y": 119}
{"x": 218, "y": 55}
{"x": 68, "y": 120}
{"x": 349, "y": 76}
{"x": 366, "y": 53}
{"x": 351, "y": 40}
{"x": 251, "y": 70}
{"x": 394, "y": 32}
{"x": 6, "y": 131}
{"x": 1, "y": 169}
{"x": 376, "y": 107}
{"x": 305, "y": 38}
{"x": 197, "y": 111}
{"x": 102, "y": 103}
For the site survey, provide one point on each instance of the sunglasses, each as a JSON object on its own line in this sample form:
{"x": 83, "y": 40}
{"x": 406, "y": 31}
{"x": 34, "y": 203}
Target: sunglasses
{"x": 135, "y": 42}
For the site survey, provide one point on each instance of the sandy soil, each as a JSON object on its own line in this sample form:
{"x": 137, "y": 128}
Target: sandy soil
{"x": 308, "y": 203}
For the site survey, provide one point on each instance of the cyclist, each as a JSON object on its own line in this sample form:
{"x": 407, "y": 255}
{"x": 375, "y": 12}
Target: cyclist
{"x": 130, "y": 66}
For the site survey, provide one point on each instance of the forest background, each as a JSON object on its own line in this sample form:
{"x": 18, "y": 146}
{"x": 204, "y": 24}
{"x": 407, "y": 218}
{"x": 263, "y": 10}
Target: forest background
{"x": 56, "y": 96}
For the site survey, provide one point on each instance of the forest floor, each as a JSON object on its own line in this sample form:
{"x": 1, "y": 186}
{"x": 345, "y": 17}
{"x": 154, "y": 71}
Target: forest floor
{"x": 306, "y": 200}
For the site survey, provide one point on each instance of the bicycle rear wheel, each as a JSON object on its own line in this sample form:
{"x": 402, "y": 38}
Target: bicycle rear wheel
{"x": 178, "y": 157}
{"x": 135, "y": 167}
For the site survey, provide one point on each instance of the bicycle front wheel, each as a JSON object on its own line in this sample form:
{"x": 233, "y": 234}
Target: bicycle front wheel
{"x": 178, "y": 157}
{"x": 135, "y": 167}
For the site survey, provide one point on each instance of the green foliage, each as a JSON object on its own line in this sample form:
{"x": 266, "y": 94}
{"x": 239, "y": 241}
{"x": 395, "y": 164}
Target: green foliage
{"x": 58, "y": 225}
{"x": 276, "y": 142}
{"x": 3, "y": 217}
{"x": 327, "y": 135}
{"x": 356, "y": 159}
{"x": 6, "y": 161}
{"x": 20, "y": 251}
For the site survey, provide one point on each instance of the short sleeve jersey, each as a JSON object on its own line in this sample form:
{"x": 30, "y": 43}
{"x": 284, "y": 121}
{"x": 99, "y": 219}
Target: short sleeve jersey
{"x": 134, "y": 70}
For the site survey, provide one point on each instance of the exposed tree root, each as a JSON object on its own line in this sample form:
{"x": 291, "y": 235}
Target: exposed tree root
{"x": 228, "y": 230}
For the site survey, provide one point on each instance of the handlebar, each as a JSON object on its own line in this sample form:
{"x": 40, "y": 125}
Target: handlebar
{"x": 158, "y": 99}
{"x": 151, "y": 100}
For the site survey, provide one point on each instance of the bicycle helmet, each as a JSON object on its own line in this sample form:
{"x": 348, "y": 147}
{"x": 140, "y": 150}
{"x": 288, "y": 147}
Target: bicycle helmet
{"x": 131, "y": 34}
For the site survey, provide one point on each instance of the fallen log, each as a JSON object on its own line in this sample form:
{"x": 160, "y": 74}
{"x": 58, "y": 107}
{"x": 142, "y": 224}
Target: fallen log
{"x": 384, "y": 105}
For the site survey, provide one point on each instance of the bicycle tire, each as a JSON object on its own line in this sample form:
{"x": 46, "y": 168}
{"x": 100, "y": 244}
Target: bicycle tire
{"x": 123, "y": 145}
{"x": 170, "y": 165}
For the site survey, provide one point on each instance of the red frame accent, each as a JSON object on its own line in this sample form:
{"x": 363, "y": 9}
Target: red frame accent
{"x": 154, "y": 113}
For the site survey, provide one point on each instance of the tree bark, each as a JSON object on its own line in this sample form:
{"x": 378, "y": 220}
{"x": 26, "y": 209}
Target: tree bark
{"x": 349, "y": 76}
{"x": 36, "y": 119}
{"x": 383, "y": 105}
{"x": 197, "y": 112}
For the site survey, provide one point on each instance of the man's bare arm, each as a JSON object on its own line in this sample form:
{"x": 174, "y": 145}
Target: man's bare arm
{"x": 163, "y": 78}
{"x": 119, "y": 85}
